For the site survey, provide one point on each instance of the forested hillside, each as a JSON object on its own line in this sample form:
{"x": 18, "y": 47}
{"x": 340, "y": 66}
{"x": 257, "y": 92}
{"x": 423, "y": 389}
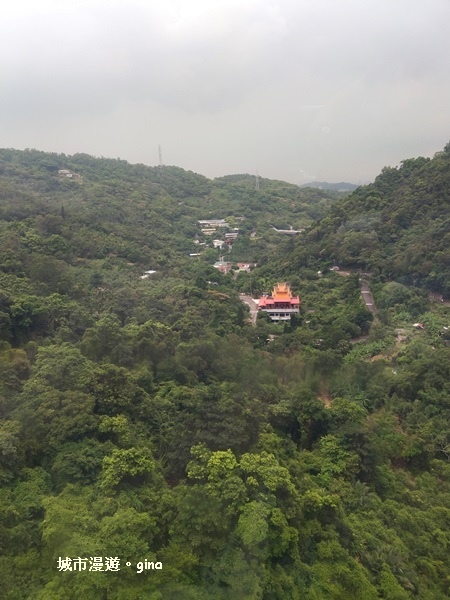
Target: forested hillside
{"x": 145, "y": 421}
{"x": 399, "y": 226}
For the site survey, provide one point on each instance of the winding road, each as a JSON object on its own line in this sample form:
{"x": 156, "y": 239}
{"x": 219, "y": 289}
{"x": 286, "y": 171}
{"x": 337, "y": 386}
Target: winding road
{"x": 252, "y": 305}
{"x": 367, "y": 296}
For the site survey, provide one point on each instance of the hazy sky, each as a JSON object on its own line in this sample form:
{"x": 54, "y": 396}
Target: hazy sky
{"x": 292, "y": 89}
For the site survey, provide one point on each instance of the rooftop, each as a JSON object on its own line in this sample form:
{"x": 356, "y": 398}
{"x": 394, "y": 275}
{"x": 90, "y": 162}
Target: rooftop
{"x": 281, "y": 294}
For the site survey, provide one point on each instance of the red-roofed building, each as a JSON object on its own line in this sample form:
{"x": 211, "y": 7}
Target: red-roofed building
{"x": 281, "y": 304}
{"x": 223, "y": 266}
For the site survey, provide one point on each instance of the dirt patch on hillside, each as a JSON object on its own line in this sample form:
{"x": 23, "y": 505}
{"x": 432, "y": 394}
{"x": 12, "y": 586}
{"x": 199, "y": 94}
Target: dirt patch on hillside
{"x": 325, "y": 397}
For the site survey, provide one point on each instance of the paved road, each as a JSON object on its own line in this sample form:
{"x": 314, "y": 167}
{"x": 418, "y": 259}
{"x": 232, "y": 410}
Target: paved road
{"x": 252, "y": 305}
{"x": 367, "y": 297}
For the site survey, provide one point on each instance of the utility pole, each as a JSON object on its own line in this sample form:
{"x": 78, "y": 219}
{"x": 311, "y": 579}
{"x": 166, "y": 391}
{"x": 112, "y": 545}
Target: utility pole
{"x": 159, "y": 170}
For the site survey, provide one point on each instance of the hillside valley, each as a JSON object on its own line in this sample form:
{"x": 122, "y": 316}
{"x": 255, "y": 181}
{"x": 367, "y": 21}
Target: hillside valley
{"x": 144, "y": 417}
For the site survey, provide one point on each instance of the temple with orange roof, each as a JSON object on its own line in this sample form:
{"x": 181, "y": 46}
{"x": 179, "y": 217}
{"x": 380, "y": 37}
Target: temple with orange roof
{"x": 281, "y": 304}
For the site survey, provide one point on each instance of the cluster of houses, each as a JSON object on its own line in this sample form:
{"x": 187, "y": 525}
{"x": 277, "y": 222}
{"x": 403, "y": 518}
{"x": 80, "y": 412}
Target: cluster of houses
{"x": 226, "y": 266}
{"x": 211, "y": 227}
{"x": 224, "y": 239}
{"x": 281, "y": 304}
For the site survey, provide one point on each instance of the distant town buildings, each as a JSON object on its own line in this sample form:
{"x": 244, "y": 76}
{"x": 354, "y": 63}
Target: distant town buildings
{"x": 281, "y": 304}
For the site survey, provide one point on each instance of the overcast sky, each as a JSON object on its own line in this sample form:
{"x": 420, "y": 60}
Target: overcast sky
{"x": 292, "y": 89}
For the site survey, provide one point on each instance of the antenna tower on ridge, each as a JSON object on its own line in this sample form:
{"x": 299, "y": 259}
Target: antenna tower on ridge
{"x": 257, "y": 182}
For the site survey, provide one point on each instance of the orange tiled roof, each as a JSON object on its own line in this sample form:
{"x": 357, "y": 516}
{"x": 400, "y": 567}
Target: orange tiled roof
{"x": 281, "y": 293}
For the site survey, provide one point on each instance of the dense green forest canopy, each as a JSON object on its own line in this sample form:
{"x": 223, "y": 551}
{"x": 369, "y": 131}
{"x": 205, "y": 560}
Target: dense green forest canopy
{"x": 398, "y": 226}
{"x": 144, "y": 418}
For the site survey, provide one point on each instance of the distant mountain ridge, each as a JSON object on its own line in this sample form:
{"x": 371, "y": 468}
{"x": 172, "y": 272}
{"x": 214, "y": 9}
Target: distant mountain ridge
{"x": 342, "y": 186}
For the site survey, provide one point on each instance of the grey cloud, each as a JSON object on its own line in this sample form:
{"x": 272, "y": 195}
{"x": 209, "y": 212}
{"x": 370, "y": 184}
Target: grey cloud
{"x": 333, "y": 89}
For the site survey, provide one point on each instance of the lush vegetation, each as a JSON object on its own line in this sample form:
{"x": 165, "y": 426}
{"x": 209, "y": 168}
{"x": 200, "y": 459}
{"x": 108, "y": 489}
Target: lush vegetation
{"x": 398, "y": 227}
{"x": 147, "y": 419}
